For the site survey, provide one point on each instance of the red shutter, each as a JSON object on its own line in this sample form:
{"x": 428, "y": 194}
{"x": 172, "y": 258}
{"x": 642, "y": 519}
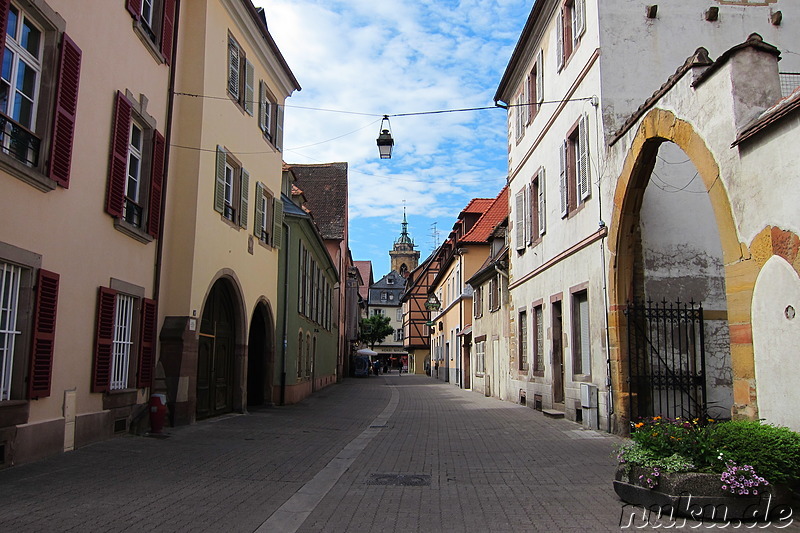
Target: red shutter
{"x": 44, "y": 335}
{"x": 104, "y": 339}
{"x": 167, "y": 28}
{"x": 134, "y": 8}
{"x": 147, "y": 343}
{"x": 69, "y": 75}
{"x": 156, "y": 184}
{"x": 118, "y": 167}
{"x": 4, "y": 6}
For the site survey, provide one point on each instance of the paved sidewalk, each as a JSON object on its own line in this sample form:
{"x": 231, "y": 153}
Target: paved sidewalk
{"x": 389, "y": 453}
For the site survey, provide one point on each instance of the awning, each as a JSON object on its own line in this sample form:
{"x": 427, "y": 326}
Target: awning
{"x": 466, "y": 331}
{"x": 366, "y": 351}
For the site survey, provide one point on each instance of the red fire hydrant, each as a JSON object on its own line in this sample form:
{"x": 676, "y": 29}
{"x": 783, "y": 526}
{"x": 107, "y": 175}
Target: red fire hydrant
{"x": 158, "y": 412}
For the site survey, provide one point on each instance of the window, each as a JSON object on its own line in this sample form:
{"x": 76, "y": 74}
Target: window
{"x": 581, "y": 342}
{"x": 494, "y": 293}
{"x": 28, "y": 304}
{"x": 154, "y": 21}
{"x": 390, "y": 280}
{"x": 377, "y": 312}
{"x": 570, "y": 26}
{"x": 270, "y": 116}
{"x": 300, "y": 355}
{"x": 301, "y": 284}
{"x": 537, "y": 206}
{"x": 125, "y": 340}
{"x": 480, "y": 357}
{"x": 136, "y": 172}
{"x": 538, "y": 341}
{"x": 520, "y": 112}
{"x": 522, "y": 348}
{"x": 240, "y": 76}
{"x": 575, "y": 176}
{"x": 536, "y": 86}
{"x": 399, "y": 315}
{"x": 268, "y": 217}
{"x": 384, "y": 296}
{"x": 38, "y": 94}
{"x": 232, "y": 188}
{"x": 398, "y": 335}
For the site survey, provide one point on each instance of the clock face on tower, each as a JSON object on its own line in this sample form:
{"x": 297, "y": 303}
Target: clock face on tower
{"x": 746, "y": 2}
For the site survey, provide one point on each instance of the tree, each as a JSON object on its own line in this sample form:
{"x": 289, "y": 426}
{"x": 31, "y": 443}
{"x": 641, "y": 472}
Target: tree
{"x": 374, "y": 329}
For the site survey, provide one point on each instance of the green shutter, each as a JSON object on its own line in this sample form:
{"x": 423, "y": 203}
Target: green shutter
{"x": 279, "y": 129}
{"x": 262, "y": 105}
{"x": 243, "y": 203}
{"x": 277, "y": 222}
{"x": 219, "y": 189}
{"x": 248, "y": 87}
{"x": 258, "y": 219}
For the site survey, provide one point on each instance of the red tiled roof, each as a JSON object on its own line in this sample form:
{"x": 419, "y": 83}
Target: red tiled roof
{"x": 296, "y": 190}
{"x": 496, "y": 212}
{"x": 477, "y": 205}
{"x": 365, "y": 269}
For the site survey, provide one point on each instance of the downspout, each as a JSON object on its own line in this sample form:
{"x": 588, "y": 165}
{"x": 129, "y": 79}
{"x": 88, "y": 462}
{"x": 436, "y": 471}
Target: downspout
{"x": 167, "y": 151}
{"x": 287, "y": 233}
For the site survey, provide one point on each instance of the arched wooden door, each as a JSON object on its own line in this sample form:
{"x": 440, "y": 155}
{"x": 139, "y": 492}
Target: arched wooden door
{"x": 215, "y": 355}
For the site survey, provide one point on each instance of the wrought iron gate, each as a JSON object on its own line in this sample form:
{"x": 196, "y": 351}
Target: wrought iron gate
{"x": 666, "y": 360}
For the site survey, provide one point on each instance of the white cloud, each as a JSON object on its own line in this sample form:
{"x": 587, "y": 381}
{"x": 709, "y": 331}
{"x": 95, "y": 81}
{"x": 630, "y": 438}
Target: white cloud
{"x": 390, "y": 57}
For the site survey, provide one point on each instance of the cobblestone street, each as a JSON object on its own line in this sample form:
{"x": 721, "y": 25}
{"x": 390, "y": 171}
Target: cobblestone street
{"x": 393, "y": 453}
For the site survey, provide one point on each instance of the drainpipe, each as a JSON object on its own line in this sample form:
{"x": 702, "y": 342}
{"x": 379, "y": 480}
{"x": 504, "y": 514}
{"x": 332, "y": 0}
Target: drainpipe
{"x": 287, "y": 233}
{"x": 167, "y": 139}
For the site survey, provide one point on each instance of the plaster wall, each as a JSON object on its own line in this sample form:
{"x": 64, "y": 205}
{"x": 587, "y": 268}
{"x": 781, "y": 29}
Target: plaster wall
{"x": 72, "y": 233}
{"x": 640, "y": 53}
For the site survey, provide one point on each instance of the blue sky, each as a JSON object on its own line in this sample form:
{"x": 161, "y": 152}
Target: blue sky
{"x": 368, "y": 58}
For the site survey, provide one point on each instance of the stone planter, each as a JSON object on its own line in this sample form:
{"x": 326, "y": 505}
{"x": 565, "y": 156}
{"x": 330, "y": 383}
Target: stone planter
{"x": 700, "y": 496}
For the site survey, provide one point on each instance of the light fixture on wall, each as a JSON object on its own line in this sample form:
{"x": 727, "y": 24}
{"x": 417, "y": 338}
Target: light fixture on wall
{"x": 385, "y": 141}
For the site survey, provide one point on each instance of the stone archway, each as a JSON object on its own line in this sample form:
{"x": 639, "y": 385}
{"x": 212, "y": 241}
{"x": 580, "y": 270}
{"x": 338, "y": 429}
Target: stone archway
{"x": 657, "y": 127}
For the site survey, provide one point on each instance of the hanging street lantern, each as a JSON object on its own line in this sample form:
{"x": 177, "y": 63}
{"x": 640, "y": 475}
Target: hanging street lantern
{"x": 385, "y": 141}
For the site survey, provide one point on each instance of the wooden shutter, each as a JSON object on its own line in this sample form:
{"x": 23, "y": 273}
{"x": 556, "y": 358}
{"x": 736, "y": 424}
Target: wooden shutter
{"x": 258, "y": 218}
{"x": 560, "y": 40}
{"x": 66, "y": 107}
{"x": 580, "y": 20}
{"x": 5, "y": 5}
{"x": 44, "y": 335}
{"x": 279, "y": 129}
{"x": 244, "y": 195}
{"x": 147, "y": 343}
{"x": 526, "y": 97}
{"x": 262, "y": 106}
{"x": 586, "y": 341}
{"x": 233, "y": 69}
{"x": 529, "y": 237}
{"x": 104, "y": 339}
{"x": 156, "y": 185}
{"x": 539, "y": 78}
{"x": 542, "y": 205}
{"x": 277, "y": 222}
{"x": 519, "y": 220}
{"x": 118, "y": 167}
{"x": 167, "y": 29}
{"x": 583, "y": 174}
{"x": 248, "y": 87}
{"x": 563, "y": 180}
{"x": 219, "y": 187}
{"x": 134, "y": 8}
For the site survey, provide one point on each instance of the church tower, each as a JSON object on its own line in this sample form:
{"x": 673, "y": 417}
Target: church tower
{"x": 404, "y": 257}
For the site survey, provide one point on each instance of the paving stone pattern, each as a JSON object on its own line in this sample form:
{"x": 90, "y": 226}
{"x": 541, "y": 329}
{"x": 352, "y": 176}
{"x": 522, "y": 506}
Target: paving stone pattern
{"x": 446, "y": 460}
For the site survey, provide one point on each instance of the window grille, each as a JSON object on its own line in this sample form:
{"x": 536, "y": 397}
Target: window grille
{"x": 9, "y": 298}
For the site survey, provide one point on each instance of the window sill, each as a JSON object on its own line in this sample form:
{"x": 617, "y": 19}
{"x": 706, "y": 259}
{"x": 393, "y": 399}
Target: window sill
{"x": 230, "y": 222}
{"x": 151, "y": 46}
{"x": 577, "y": 210}
{"x": 29, "y": 175}
{"x": 13, "y": 412}
{"x": 132, "y": 231}
{"x": 582, "y": 378}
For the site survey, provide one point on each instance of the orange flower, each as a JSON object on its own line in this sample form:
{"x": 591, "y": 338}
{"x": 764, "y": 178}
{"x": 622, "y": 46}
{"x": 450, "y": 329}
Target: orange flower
{"x": 637, "y": 426}
{"x": 656, "y": 418}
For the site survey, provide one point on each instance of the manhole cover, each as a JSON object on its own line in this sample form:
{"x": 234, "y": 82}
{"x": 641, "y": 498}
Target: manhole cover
{"x": 400, "y": 480}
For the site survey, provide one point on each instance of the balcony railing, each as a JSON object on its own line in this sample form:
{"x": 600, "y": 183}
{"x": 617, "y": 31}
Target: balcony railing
{"x": 19, "y": 142}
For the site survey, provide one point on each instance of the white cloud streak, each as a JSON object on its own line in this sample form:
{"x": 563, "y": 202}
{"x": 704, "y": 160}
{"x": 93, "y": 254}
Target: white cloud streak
{"x": 392, "y": 57}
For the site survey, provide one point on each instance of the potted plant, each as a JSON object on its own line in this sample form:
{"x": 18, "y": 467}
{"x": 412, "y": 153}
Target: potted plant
{"x": 705, "y": 469}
